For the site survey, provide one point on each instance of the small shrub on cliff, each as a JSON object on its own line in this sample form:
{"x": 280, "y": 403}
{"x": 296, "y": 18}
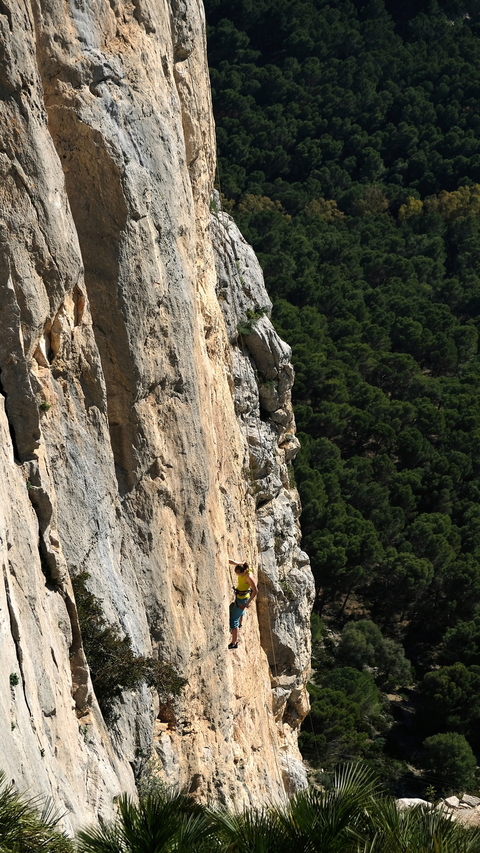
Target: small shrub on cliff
{"x": 113, "y": 665}
{"x": 246, "y": 327}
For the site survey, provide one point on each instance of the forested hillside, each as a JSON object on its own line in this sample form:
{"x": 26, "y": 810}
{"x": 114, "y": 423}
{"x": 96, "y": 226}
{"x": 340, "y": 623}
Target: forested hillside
{"x": 349, "y": 154}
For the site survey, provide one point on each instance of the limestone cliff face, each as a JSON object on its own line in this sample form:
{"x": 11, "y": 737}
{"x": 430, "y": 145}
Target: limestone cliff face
{"x": 143, "y": 439}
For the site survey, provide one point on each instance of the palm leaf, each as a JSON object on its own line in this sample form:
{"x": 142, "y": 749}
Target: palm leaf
{"x": 196, "y": 833}
{"x": 159, "y": 823}
{"x": 250, "y": 831}
{"x": 418, "y": 830}
{"x": 332, "y": 820}
{"x": 26, "y": 829}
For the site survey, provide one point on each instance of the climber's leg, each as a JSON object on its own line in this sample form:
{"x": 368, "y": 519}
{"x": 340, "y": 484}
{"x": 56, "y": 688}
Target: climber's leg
{"x": 236, "y": 614}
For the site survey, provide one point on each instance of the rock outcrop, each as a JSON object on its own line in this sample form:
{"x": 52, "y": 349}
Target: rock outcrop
{"x": 465, "y": 809}
{"x": 143, "y": 439}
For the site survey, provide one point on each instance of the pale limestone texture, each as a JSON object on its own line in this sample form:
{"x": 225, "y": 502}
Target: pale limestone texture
{"x": 142, "y": 440}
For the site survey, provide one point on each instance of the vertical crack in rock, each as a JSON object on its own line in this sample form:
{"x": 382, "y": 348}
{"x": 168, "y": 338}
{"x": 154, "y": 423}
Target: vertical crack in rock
{"x": 81, "y": 688}
{"x": 182, "y": 30}
{"x": 98, "y": 207}
{"x": 15, "y": 632}
{"x": 54, "y": 567}
{"x": 49, "y": 546}
{"x": 11, "y": 429}
{"x": 142, "y": 15}
{"x": 20, "y": 400}
{"x": 4, "y": 10}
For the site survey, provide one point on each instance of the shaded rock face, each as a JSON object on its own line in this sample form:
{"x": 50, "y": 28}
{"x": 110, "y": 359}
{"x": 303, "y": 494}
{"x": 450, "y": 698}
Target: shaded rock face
{"x": 142, "y": 440}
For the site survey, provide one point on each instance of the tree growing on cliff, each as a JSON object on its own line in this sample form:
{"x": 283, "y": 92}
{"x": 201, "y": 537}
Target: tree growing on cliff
{"x": 114, "y": 667}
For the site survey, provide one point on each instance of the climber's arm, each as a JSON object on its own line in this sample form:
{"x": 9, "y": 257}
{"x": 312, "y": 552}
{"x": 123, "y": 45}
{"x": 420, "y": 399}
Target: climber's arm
{"x": 236, "y": 562}
{"x": 253, "y": 587}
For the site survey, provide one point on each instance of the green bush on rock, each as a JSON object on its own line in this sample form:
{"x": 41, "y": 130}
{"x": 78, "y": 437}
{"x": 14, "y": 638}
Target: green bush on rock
{"x": 114, "y": 667}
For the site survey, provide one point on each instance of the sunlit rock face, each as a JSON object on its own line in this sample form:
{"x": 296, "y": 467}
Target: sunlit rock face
{"x": 142, "y": 438}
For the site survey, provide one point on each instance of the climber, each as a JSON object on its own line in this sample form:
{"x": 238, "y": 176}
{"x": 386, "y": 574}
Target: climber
{"x": 245, "y": 592}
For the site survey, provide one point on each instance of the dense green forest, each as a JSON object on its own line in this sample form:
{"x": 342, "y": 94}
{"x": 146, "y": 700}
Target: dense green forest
{"x": 349, "y": 154}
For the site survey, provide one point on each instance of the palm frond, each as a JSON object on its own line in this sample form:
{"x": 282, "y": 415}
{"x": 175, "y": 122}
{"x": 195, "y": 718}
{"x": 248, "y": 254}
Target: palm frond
{"x": 165, "y": 822}
{"x": 418, "y": 830}
{"x": 196, "y": 835}
{"x": 25, "y": 828}
{"x": 334, "y": 819}
{"x": 103, "y": 839}
{"x": 250, "y": 831}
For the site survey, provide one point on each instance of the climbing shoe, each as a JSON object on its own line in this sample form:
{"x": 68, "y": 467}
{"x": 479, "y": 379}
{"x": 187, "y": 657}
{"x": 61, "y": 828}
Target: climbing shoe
{"x": 233, "y": 645}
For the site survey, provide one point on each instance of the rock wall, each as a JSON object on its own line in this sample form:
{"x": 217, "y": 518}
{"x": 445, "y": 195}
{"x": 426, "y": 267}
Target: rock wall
{"x": 143, "y": 439}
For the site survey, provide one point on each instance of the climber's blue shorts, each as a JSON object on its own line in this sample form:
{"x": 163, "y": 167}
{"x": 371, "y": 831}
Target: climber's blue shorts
{"x": 236, "y": 613}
